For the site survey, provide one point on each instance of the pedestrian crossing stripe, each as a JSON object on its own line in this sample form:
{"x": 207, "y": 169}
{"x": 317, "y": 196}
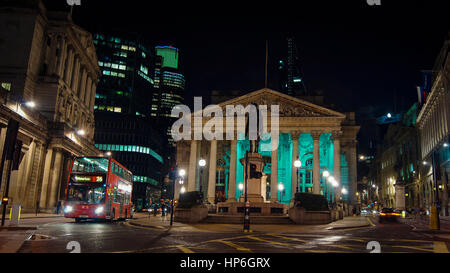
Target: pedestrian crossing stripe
{"x": 440, "y": 247}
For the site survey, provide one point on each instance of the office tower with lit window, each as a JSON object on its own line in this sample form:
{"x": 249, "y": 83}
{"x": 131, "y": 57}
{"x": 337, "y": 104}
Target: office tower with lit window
{"x": 290, "y": 73}
{"x": 169, "y": 86}
{"x": 124, "y": 126}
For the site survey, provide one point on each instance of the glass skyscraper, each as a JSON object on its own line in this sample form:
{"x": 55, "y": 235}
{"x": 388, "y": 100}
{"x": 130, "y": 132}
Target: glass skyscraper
{"x": 125, "y": 127}
{"x": 169, "y": 86}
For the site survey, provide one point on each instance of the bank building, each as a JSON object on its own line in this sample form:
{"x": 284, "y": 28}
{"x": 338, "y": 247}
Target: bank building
{"x": 323, "y": 140}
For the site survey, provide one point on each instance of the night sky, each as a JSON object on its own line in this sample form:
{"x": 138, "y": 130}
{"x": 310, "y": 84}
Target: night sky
{"x": 362, "y": 57}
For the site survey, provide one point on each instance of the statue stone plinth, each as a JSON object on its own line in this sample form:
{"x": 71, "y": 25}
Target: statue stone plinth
{"x": 254, "y": 184}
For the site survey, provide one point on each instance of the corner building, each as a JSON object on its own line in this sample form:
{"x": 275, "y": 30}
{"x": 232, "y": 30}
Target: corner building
{"x": 321, "y": 138}
{"x": 48, "y": 60}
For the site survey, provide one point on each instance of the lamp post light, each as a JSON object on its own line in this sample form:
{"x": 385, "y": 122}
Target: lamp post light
{"x": 181, "y": 174}
{"x": 280, "y": 189}
{"x": 325, "y": 174}
{"x": 241, "y": 187}
{"x": 201, "y": 164}
{"x": 297, "y": 164}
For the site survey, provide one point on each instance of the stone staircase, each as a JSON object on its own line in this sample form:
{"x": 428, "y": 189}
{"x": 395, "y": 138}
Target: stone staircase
{"x": 239, "y": 219}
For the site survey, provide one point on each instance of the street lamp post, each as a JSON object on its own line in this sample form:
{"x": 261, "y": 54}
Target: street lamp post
{"x": 326, "y": 174}
{"x": 181, "y": 174}
{"x": 297, "y": 164}
{"x": 280, "y": 189}
{"x": 201, "y": 164}
{"x": 241, "y": 187}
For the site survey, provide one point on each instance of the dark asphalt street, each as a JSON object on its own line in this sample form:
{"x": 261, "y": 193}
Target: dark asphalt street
{"x": 120, "y": 237}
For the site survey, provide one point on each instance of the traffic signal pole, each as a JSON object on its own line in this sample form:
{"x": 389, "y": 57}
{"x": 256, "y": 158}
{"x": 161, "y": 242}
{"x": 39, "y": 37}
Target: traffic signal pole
{"x": 247, "y": 204}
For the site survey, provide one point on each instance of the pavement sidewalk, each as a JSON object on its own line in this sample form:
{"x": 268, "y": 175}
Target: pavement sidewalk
{"x": 13, "y": 237}
{"x": 422, "y": 225}
{"x": 163, "y": 222}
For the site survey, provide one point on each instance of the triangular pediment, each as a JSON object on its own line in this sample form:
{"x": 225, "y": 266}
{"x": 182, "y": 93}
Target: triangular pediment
{"x": 288, "y": 106}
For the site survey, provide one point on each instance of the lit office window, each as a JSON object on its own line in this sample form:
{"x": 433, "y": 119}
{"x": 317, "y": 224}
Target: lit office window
{"x": 118, "y": 109}
{"x": 6, "y": 85}
{"x": 125, "y": 47}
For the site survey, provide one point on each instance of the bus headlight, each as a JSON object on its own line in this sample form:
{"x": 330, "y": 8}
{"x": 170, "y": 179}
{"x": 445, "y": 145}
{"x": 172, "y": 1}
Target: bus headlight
{"x": 99, "y": 210}
{"x": 68, "y": 209}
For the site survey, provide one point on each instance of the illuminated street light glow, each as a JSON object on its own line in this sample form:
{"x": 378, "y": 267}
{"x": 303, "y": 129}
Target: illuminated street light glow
{"x": 344, "y": 191}
{"x": 81, "y": 132}
{"x": 325, "y": 174}
{"x": 182, "y": 172}
{"x": 30, "y": 104}
{"x": 108, "y": 153}
{"x": 202, "y": 163}
{"x": 241, "y": 186}
{"x": 183, "y": 189}
{"x": 389, "y": 115}
{"x": 297, "y": 163}
{"x": 280, "y": 187}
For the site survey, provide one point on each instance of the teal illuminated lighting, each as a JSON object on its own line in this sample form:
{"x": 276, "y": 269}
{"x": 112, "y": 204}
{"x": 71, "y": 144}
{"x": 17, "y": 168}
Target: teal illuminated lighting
{"x": 285, "y": 165}
{"x": 169, "y": 56}
{"x": 129, "y": 148}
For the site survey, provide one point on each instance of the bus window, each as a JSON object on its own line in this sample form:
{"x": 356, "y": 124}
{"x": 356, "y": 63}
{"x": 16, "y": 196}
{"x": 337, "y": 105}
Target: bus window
{"x": 90, "y": 165}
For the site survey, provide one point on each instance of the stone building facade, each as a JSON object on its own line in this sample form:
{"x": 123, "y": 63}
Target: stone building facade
{"x": 322, "y": 139}
{"x": 433, "y": 124}
{"x": 47, "y": 60}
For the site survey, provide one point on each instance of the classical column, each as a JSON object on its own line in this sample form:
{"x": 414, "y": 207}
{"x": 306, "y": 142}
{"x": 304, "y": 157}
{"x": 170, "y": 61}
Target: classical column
{"x": 232, "y": 177}
{"x": 76, "y": 77}
{"x": 82, "y": 88}
{"x": 337, "y": 162}
{"x": 69, "y": 66}
{"x": 52, "y": 58}
{"x": 87, "y": 94}
{"x": 352, "y": 172}
{"x": 212, "y": 172}
{"x": 92, "y": 98}
{"x": 62, "y": 57}
{"x": 316, "y": 161}
{"x": 192, "y": 166}
{"x": 274, "y": 176}
{"x": 56, "y": 178}
{"x": 46, "y": 178}
{"x": 294, "y": 178}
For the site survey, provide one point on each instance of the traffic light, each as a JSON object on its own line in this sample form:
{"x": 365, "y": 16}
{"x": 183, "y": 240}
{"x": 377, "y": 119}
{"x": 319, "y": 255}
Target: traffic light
{"x": 253, "y": 172}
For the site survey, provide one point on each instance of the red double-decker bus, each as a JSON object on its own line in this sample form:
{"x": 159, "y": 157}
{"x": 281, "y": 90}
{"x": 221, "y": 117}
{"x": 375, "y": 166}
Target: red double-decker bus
{"x": 98, "y": 188}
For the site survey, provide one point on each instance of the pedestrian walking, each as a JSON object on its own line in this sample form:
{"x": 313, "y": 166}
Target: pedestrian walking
{"x": 58, "y": 207}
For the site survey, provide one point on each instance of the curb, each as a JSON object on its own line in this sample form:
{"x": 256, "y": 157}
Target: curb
{"x": 349, "y": 227}
{"x": 147, "y": 226}
{"x": 22, "y": 218}
{"x": 19, "y": 228}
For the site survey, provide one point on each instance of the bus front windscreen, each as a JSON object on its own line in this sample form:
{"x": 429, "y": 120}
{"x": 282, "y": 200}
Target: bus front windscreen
{"x": 85, "y": 189}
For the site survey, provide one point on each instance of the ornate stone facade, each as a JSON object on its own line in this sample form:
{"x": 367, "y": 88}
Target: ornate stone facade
{"x": 298, "y": 119}
{"x": 53, "y": 64}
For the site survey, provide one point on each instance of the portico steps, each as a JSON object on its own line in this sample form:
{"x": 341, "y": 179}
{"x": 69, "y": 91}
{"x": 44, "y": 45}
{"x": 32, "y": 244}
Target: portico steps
{"x": 239, "y": 219}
